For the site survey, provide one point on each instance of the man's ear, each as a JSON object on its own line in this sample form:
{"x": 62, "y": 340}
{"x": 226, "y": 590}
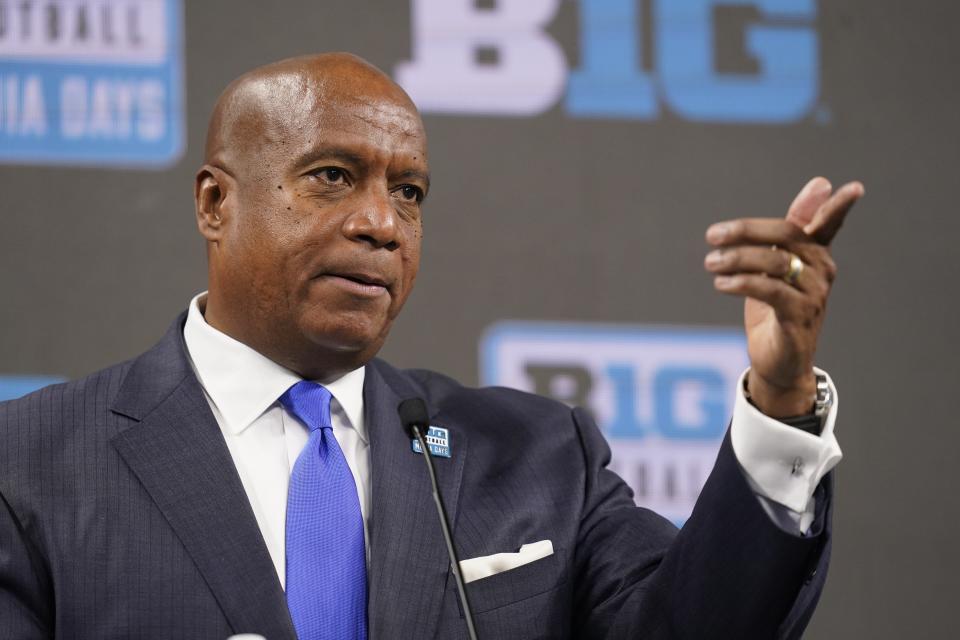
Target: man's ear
{"x": 210, "y": 194}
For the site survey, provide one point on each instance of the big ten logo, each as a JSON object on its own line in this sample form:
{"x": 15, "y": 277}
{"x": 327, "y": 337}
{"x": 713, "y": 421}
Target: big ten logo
{"x": 704, "y": 60}
{"x": 662, "y": 396}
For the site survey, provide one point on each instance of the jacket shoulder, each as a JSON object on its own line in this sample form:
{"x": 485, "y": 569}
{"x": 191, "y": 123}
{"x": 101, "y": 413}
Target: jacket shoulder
{"x": 103, "y": 383}
{"x": 56, "y": 412}
{"x": 495, "y": 405}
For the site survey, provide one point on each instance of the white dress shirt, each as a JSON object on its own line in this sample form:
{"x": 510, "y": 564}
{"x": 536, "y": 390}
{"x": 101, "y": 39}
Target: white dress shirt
{"x": 243, "y": 389}
{"x": 783, "y": 465}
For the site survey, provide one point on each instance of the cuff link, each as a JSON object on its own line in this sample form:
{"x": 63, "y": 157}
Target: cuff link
{"x": 797, "y": 468}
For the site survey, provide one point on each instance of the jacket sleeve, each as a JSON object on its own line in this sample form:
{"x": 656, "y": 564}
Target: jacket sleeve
{"x": 729, "y": 573}
{"x": 24, "y": 592}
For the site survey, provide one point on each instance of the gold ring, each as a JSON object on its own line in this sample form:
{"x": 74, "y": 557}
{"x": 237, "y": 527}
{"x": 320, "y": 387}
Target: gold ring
{"x": 796, "y": 268}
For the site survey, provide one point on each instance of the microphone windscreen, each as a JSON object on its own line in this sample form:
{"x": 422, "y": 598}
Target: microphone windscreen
{"x": 413, "y": 412}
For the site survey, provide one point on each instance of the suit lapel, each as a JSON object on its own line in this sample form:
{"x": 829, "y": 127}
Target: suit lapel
{"x": 408, "y": 559}
{"x": 178, "y": 453}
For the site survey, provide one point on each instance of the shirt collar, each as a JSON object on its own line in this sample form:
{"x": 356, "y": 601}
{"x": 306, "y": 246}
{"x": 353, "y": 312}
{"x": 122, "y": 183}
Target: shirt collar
{"x": 243, "y": 383}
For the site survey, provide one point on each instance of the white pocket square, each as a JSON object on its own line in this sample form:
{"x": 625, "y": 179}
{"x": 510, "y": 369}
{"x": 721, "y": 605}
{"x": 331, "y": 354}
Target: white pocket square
{"x": 485, "y": 566}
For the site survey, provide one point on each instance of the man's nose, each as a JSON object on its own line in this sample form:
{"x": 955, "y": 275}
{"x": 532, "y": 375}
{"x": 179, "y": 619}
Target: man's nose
{"x": 374, "y": 221}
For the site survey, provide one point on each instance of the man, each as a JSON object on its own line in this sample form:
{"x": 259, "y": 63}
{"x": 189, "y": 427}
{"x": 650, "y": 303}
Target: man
{"x": 210, "y": 487}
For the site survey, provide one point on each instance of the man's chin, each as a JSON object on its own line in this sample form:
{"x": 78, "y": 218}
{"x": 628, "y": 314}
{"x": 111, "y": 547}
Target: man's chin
{"x": 356, "y": 341}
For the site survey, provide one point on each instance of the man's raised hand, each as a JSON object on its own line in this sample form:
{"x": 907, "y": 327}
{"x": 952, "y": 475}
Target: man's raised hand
{"x": 785, "y": 300}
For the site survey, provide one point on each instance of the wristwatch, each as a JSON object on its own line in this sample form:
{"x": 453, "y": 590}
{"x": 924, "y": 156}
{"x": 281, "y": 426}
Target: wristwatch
{"x": 812, "y": 422}
{"x": 824, "y": 401}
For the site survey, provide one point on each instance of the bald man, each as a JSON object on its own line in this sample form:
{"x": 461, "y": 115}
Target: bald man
{"x": 249, "y": 474}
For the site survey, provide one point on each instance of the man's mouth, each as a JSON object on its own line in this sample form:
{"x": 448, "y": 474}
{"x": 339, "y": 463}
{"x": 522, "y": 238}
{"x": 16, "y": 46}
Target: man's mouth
{"x": 361, "y": 284}
{"x": 363, "y": 278}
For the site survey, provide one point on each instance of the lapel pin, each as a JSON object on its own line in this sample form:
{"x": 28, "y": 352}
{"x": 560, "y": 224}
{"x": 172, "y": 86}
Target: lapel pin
{"x": 438, "y": 439}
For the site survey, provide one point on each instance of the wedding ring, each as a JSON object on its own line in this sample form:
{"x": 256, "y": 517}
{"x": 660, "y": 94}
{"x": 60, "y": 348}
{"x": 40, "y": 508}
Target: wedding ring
{"x": 796, "y": 268}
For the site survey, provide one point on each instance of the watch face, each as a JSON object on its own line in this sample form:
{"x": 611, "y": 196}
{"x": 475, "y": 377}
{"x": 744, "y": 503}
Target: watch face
{"x": 824, "y": 396}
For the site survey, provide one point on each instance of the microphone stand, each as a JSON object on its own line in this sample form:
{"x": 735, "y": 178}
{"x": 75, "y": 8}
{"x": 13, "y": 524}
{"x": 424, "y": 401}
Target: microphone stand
{"x": 444, "y": 524}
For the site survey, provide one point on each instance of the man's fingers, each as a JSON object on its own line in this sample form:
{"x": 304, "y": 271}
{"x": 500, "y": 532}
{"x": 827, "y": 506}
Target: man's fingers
{"x": 754, "y": 231}
{"x": 808, "y": 201}
{"x": 775, "y": 263}
{"x": 831, "y": 214}
{"x": 788, "y": 302}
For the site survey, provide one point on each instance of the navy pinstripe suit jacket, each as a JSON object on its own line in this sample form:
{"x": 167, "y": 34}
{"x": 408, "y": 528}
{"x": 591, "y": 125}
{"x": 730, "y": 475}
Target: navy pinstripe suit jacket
{"x": 122, "y": 516}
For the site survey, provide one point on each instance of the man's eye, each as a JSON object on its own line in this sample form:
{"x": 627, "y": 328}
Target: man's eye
{"x": 332, "y": 174}
{"x": 411, "y": 193}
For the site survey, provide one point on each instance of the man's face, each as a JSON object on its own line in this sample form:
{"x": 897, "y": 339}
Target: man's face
{"x": 324, "y": 243}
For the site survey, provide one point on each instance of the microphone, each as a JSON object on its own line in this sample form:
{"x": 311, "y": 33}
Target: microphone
{"x": 416, "y": 422}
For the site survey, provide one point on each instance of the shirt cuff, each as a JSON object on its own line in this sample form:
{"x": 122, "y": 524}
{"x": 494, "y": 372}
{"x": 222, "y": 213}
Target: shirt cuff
{"x": 782, "y": 463}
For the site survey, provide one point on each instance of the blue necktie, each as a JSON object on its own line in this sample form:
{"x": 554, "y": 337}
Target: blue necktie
{"x": 326, "y": 560}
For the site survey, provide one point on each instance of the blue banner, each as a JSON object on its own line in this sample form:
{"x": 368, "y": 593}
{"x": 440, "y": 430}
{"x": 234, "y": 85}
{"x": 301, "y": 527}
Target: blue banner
{"x": 12, "y": 387}
{"x": 91, "y": 82}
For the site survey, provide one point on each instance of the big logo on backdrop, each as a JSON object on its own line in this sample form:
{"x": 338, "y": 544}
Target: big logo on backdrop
{"x": 91, "y": 81}
{"x": 662, "y": 396}
{"x": 637, "y": 59}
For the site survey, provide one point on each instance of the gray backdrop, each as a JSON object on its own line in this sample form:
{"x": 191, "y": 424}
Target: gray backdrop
{"x": 553, "y": 217}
